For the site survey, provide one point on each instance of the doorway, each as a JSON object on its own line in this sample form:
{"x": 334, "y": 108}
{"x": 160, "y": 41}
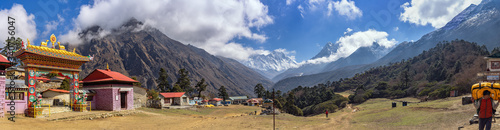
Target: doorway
{"x": 123, "y": 99}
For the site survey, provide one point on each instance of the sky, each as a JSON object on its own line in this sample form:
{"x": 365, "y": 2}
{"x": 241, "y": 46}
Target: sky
{"x": 240, "y": 28}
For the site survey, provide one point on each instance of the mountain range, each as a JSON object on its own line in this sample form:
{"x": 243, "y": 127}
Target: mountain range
{"x": 270, "y": 65}
{"x": 476, "y": 23}
{"x": 138, "y": 52}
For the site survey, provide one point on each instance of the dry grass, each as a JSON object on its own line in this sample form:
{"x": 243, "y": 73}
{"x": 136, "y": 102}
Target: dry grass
{"x": 374, "y": 114}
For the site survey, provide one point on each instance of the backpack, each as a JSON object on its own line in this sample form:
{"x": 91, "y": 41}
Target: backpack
{"x": 492, "y": 103}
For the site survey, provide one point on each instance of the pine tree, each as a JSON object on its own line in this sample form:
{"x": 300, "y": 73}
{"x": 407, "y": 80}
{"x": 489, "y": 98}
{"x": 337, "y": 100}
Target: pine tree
{"x": 176, "y": 88}
{"x": 16, "y": 44}
{"x": 259, "y": 90}
{"x": 201, "y": 86}
{"x": 138, "y": 83}
{"x": 183, "y": 80}
{"x": 163, "y": 85}
{"x": 223, "y": 93}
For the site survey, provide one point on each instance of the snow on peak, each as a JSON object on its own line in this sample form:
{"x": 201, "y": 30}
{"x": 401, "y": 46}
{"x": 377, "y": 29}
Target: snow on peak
{"x": 278, "y": 60}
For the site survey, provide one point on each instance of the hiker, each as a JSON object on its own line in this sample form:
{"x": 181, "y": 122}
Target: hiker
{"x": 326, "y": 113}
{"x": 485, "y": 109}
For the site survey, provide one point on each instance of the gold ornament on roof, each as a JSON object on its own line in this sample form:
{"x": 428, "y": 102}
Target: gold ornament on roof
{"x": 28, "y": 41}
{"x": 107, "y": 66}
{"x": 74, "y": 50}
{"x": 44, "y": 44}
{"x": 53, "y": 39}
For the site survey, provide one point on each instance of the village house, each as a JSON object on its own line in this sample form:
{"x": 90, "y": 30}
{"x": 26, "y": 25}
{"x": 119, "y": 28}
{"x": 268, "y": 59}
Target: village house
{"x": 215, "y": 101}
{"x": 195, "y": 100}
{"x": 238, "y": 99}
{"x": 267, "y": 103}
{"x": 174, "y": 98}
{"x": 492, "y": 73}
{"x": 255, "y": 101}
{"x": 113, "y": 90}
{"x": 18, "y": 94}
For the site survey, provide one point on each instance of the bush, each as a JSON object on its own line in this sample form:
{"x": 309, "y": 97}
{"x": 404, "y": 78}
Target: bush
{"x": 425, "y": 92}
{"x": 398, "y": 93}
{"x": 294, "y": 110}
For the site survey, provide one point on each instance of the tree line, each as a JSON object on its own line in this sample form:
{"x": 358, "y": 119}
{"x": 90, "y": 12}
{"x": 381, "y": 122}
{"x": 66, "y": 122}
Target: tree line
{"x": 183, "y": 84}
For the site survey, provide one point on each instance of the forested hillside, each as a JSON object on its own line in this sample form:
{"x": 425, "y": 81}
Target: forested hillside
{"x": 433, "y": 74}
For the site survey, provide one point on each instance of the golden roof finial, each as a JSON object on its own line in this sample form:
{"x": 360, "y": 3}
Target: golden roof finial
{"x": 28, "y": 41}
{"x": 107, "y": 66}
{"x": 53, "y": 39}
{"x": 74, "y": 50}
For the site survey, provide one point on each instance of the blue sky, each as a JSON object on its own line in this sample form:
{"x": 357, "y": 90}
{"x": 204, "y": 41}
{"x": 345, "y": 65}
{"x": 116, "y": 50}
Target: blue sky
{"x": 238, "y": 29}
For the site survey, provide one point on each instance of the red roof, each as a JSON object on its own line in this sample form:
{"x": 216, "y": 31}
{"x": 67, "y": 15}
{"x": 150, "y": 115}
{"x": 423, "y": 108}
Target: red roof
{"x": 4, "y": 61}
{"x": 43, "y": 79}
{"x": 215, "y": 99}
{"x": 57, "y": 90}
{"x": 172, "y": 94}
{"x": 99, "y": 75}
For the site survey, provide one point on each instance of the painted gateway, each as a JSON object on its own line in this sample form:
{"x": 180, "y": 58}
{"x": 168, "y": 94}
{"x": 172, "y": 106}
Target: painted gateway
{"x": 42, "y": 60}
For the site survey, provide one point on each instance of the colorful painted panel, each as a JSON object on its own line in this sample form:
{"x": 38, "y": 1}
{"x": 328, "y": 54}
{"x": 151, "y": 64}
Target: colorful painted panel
{"x": 31, "y": 85}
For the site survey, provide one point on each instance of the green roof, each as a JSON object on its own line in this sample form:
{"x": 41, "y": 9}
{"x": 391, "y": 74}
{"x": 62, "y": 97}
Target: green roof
{"x": 496, "y": 55}
{"x": 238, "y": 97}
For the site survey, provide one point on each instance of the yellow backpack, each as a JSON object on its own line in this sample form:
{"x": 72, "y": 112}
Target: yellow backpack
{"x": 478, "y": 89}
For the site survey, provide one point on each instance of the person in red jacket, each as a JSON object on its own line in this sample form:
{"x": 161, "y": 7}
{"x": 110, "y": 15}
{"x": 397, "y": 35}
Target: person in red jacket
{"x": 485, "y": 107}
{"x": 326, "y": 113}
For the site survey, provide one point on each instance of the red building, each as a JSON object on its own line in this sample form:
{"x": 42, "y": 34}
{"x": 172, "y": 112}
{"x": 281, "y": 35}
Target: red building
{"x": 113, "y": 90}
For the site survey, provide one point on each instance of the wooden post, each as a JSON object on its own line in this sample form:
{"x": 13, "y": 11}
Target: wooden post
{"x": 274, "y": 114}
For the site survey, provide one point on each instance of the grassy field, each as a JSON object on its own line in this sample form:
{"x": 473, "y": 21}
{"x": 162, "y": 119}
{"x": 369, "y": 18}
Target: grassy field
{"x": 373, "y": 114}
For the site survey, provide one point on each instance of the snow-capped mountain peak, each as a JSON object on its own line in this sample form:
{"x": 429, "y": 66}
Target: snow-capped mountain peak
{"x": 271, "y": 64}
{"x": 328, "y": 49}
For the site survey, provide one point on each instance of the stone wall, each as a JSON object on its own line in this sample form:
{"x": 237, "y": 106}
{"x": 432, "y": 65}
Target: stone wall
{"x": 40, "y": 87}
{"x": 105, "y": 99}
{"x": 140, "y": 97}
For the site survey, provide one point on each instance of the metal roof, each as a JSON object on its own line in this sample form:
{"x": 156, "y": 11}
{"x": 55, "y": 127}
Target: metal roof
{"x": 238, "y": 97}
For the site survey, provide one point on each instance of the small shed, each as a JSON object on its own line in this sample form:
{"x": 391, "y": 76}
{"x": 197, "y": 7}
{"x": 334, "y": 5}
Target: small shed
{"x": 174, "y": 98}
{"x": 215, "y": 101}
{"x": 238, "y": 99}
{"x": 55, "y": 97}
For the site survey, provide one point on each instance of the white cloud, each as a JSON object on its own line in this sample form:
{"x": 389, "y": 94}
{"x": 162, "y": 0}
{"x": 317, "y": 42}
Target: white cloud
{"x": 347, "y": 31}
{"x": 25, "y": 26}
{"x": 350, "y": 43}
{"x": 330, "y": 9}
{"x": 301, "y": 9}
{"x": 206, "y": 24}
{"x": 434, "y": 12}
{"x": 289, "y": 2}
{"x": 315, "y": 4}
{"x": 347, "y": 8}
{"x": 396, "y": 28}
{"x": 284, "y": 51}
{"x": 52, "y": 25}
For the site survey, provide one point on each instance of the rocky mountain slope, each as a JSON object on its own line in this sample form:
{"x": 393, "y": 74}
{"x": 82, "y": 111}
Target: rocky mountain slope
{"x": 142, "y": 52}
{"x": 475, "y": 24}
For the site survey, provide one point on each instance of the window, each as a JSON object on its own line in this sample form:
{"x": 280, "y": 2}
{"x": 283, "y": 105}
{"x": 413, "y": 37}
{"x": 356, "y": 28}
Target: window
{"x": 167, "y": 100}
{"x": 89, "y": 98}
{"x": 15, "y": 96}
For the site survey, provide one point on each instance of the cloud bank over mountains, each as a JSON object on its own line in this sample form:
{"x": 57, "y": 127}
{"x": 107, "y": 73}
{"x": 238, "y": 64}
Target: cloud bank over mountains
{"x": 423, "y": 12}
{"x": 210, "y": 25}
